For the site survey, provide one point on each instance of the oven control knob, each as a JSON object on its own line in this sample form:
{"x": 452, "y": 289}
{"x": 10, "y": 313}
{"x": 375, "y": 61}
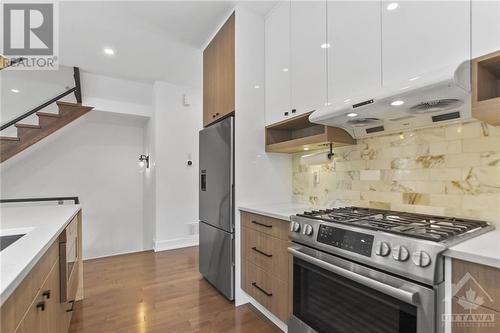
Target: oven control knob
{"x": 382, "y": 249}
{"x": 308, "y": 230}
{"x": 421, "y": 258}
{"x": 294, "y": 226}
{"x": 400, "y": 253}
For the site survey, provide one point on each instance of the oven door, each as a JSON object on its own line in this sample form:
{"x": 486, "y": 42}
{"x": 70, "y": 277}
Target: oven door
{"x": 334, "y": 295}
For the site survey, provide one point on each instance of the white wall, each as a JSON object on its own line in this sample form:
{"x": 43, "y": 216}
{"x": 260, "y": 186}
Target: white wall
{"x": 260, "y": 177}
{"x": 95, "y": 158}
{"x": 485, "y": 24}
{"x": 176, "y": 129}
{"x": 116, "y": 95}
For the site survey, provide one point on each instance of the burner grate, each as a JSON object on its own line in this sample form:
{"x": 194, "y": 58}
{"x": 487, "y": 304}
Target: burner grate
{"x": 434, "y": 228}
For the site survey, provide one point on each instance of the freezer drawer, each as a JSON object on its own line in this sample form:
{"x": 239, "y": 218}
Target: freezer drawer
{"x": 217, "y": 258}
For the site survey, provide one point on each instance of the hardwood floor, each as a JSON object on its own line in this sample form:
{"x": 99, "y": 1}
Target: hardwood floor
{"x": 158, "y": 292}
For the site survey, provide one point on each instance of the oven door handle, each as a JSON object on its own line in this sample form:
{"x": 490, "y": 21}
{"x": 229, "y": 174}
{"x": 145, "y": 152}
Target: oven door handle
{"x": 400, "y": 294}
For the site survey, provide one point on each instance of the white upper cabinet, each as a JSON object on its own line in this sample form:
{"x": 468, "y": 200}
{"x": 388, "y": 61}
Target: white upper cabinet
{"x": 278, "y": 63}
{"x": 354, "y": 53}
{"x": 422, "y": 36}
{"x": 485, "y": 27}
{"x": 308, "y": 54}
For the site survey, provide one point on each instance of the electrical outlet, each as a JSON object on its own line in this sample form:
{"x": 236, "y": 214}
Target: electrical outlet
{"x": 316, "y": 177}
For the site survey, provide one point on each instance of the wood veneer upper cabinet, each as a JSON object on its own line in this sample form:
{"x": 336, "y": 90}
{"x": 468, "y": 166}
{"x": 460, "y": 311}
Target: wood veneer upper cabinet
{"x": 218, "y": 74}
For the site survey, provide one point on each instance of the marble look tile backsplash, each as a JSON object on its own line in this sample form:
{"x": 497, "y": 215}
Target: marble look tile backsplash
{"x": 452, "y": 170}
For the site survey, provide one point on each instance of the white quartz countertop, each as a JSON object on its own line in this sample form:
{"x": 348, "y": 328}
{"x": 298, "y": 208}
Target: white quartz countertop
{"x": 281, "y": 211}
{"x": 483, "y": 249}
{"x": 41, "y": 226}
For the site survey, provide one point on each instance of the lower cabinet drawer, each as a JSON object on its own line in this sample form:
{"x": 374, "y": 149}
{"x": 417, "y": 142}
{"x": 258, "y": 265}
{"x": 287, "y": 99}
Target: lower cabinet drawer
{"x": 43, "y": 314}
{"x": 272, "y": 293}
{"x": 20, "y": 301}
{"x": 268, "y": 253}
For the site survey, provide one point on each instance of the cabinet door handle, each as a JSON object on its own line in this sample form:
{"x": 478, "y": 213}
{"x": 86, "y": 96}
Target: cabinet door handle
{"x": 46, "y": 294}
{"x": 262, "y": 224}
{"x": 41, "y": 305}
{"x": 294, "y": 110}
{"x": 261, "y": 252}
{"x": 262, "y": 290}
{"x": 72, "y": 306}
{"x": 213, "y": 116}
{"x": 286, "y": 113}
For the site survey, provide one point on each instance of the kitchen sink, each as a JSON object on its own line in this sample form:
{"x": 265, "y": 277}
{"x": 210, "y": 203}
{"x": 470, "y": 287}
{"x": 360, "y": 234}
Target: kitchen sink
{"x": 5, "y": 241}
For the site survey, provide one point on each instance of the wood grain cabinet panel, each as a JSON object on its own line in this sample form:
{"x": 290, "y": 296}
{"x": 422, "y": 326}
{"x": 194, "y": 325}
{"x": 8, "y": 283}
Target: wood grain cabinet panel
{"x": 267, "y": 290}
{"x": 488, "y": 320}
{"x": 484, "y": 280}
{"x": 266, "y": 264}
{"x": 43, "y": 313}
{"x": 266, "y": 252}
{"x": 18, "y": 303}
{"x": 219, "y": 74}
{"x": 267, "y": 225}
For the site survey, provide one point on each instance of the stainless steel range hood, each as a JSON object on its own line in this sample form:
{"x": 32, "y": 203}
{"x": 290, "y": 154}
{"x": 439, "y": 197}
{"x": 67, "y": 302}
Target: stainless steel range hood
{"x": 426, "y": 100}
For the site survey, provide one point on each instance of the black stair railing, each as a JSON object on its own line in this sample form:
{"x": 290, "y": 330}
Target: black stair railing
{"x": 77, "y": 90}
{"x": 76, "y": 200}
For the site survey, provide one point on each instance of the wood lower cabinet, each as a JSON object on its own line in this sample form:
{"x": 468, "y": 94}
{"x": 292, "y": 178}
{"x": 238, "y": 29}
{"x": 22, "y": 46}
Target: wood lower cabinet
{"x": 35, "y": 306}
{"x": 477, "y": 297}
{"x": 266, "y": 263}
{"x": 219, "y": 74}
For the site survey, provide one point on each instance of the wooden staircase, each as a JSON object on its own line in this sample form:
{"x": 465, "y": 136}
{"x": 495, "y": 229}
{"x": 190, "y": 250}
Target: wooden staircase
{"x": 48, "y": 123}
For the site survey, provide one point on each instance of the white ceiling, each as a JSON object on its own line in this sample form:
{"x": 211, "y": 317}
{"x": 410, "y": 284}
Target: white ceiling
{"x": 153, "y": 40}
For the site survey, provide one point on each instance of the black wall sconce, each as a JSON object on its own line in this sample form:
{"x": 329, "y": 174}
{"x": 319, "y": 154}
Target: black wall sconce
{"x": 144, "y": 158}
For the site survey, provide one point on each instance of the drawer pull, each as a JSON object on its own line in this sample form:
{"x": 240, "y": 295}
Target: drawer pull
{"x": 262, "y": 224}
{"x": 41, "y": 305}
{"x": 46, "y": 294}
{"x": 72, "y": 306}
{"x": 262, "y": 290}
{"x": 262, "y": 252}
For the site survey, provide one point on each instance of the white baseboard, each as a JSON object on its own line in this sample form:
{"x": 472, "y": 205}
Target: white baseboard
{"x": 176, "y": 243}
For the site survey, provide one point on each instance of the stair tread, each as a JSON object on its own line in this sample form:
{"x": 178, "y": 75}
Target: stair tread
{"x": 48, "y": 114}
{"x": 9, "y": 138}
{"x": 68, "y": 103}
{"x": 27, "y": 126}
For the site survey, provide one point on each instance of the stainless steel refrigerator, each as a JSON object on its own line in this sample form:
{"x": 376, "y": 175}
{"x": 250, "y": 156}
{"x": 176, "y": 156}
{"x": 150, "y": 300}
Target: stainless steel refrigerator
{"x": 216, "y": 211}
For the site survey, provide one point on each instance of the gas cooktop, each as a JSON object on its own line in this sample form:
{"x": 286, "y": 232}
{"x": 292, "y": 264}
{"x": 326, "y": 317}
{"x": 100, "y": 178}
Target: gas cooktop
{"x": 429, "y": 227}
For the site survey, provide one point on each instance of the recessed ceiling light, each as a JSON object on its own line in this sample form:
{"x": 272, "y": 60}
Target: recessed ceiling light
{"x": 285, "y": 69}
{"x": 392, "y": 6}
{"x": 415, "y": 78}
{"x": 352, "y": 114}
{"x": 256, "y": 86}
{"x": 109, "y": 51}
{"x": 397, "y": 103}
{"x": 15, "y": 90}
{"x": 325, "y": 45}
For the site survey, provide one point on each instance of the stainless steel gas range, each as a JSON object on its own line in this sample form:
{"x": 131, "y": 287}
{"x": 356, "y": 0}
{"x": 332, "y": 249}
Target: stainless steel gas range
{"x": 358, "y": 270}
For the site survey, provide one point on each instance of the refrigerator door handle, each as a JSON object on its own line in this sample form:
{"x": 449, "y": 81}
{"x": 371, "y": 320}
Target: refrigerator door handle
{"x": 203, "y": 180}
